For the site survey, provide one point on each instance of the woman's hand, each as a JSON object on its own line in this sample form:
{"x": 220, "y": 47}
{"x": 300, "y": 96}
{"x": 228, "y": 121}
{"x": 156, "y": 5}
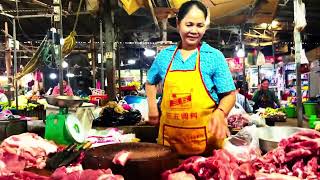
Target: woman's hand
{"x": 218, "y": 125}
{"x": 153, "y": 116}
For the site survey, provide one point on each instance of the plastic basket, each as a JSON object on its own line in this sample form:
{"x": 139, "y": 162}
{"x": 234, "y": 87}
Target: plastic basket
{"x": 310, "y": 109}
{"x": 291, "y": 112}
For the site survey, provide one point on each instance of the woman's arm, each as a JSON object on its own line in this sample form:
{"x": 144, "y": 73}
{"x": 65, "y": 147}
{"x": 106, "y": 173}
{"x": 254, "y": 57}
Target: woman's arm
{"x": 218, "y": 125}
{"x": 151, "y": 91}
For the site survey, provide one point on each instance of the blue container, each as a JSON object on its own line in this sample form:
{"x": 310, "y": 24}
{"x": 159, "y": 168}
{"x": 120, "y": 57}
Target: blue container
{"x": 133, "y": 99}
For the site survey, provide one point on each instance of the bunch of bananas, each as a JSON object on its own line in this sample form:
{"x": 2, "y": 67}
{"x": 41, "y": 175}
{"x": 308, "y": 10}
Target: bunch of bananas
{"x": 135, "y": 84}
{"x": 111, "y": 104}
{"x": 119, "y": 109}
{"x": 116, "y": 107}
{"x": 69, "y": 43}
{"x": 32, "y": 65}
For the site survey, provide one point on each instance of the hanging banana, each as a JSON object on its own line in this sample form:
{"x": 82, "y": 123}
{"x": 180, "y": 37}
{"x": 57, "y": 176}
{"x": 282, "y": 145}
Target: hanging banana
{"x": 32, "y": 65}
{"x": 70, "y": 41}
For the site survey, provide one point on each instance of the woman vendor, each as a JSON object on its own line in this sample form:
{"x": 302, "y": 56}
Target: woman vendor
{"x": 67, "y": 90}
{"x": 198, "y": 89}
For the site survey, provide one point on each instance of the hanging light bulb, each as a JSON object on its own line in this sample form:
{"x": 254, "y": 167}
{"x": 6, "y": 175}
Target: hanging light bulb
{"x": 64, "y": 64}
{"x": 149, "y": 52}
{"x": 52, "y": 75}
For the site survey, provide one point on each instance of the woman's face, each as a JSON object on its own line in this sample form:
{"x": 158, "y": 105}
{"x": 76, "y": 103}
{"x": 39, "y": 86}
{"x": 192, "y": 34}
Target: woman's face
{"x": 192, "y": 27}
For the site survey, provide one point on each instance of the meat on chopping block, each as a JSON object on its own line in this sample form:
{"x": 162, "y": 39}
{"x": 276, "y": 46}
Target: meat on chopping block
{"x": 121, "y": 158}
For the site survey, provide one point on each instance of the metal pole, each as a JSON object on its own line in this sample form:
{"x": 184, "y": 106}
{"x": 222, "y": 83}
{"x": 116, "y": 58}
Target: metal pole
{"x": 297, "y": 39}
{"x": 102, "y": 56}
{"x": 35, "y": 16}
{"x": 298, "y": 48}
{"x": 58, "y": 20}
{"x": 119, "y": 70}
{"x": 15, "y": 65}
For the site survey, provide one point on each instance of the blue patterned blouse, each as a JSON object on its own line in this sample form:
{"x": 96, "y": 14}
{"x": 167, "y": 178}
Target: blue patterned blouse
{"x": 214, "y": 68}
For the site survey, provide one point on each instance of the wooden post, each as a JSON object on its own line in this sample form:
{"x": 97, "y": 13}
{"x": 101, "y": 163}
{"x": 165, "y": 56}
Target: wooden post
{"x": 110, "y": 48}
{"x": 8, "y": 59}
{"x": 57, "y": 8}
{"x": 298, "y": 48}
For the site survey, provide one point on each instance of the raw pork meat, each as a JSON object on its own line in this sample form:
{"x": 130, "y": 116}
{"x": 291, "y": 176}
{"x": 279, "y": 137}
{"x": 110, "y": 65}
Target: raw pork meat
{"x": 296, "y": 156}
{"x": 121, "y": 157}
{"x": 22, "y": 151}
{"x": 62, "y": 173}
{"x": 222, "y": 165}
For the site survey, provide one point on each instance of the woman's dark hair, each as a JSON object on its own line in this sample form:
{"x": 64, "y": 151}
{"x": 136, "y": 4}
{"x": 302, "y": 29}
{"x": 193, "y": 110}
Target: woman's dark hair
{"x": 263, "y": 80}
{"x": 238, "y": 84}
{"x": 185, "y": 8}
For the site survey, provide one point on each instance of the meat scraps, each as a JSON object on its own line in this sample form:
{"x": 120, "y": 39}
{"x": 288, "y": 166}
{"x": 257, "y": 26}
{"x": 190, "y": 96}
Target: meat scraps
{"x": 297, "y": 156}
{"x": 237, "y": 121}
{"x": 64, "y": 173}
{"x": 23, "y": 151}
{"x": 121, "y": 157}
{"x": 222, "y": 165}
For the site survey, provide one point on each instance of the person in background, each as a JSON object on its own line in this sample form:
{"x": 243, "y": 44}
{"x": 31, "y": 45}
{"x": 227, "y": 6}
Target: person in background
{"x": 241, "y": 99}
{"x": 3, "y": 97}
{"x": 67, "y": 90}
{"x": 193, "y": 118}
{"x": 82, "y": 91}
{"x": 264, "y": 97}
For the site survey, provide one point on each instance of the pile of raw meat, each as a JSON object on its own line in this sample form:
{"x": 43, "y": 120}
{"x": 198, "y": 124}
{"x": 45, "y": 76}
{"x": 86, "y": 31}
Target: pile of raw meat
{"x": 299, "y": 156}
{"x": 64, "y": 173}
{"x": 23, "y": 151}
{"x": 88, "y": 174}
{"x": 237, "y": 121}
{"x": 222, "y": 165}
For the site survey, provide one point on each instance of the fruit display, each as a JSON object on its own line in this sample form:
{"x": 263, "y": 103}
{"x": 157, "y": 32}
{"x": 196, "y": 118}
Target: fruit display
{"x": 23, "y": 104}
{"x": 276, "y": 115}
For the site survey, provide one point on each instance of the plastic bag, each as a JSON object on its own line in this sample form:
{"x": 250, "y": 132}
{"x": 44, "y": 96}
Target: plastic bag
{"x": 257, "y": 120}
{"x": 261, "y": 60}
{"x": 299, "y": 15}
{"x": 244, "y": 145}
{"x": 237, "y": 109}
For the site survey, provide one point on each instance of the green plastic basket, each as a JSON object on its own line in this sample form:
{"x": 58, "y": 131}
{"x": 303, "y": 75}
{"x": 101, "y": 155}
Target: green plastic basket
{"x": 291, "y": 112}
{"x": 310, "y": 109}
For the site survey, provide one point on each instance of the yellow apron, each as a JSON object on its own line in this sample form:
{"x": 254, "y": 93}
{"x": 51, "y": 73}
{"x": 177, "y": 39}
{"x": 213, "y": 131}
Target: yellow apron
{"x": 186, "y": 110}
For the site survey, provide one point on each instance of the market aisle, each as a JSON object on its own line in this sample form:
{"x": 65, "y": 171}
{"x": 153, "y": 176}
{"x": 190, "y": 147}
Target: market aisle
{"x": 291, "y": 122}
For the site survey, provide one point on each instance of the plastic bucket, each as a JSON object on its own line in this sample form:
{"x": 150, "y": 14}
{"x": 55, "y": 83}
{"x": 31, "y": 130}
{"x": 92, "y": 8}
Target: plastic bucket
{"x": 291, "y": 112}
{"x": 310, "y": 109}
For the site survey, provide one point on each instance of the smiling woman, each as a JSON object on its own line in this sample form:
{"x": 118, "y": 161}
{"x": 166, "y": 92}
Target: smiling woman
{"x": 193, "y": 74}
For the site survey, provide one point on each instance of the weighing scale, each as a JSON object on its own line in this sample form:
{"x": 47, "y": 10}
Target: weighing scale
{"x": 64, "y": 128}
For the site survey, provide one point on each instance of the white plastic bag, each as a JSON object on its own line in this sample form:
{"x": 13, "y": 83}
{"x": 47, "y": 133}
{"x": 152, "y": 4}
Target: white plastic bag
{"x": 244, "y": 145}
{"x": 299, "y": 15}
{"x": 261, "y": 60}
{"x": 237, "y": 109}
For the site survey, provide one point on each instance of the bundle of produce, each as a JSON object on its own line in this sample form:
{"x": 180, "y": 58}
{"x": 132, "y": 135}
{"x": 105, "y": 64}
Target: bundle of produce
{"x": 28, "y": 149}
{"x": 114, "y": 114}
{"x": 222, "y": 165}
{"x": 273, "y": 114}
{"x": 238, "y": 121}
{"x": 297, "y": 156}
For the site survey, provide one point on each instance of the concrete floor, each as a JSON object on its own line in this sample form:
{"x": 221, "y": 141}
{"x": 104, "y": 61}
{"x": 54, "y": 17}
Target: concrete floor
{"x": 292, "y": 122}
